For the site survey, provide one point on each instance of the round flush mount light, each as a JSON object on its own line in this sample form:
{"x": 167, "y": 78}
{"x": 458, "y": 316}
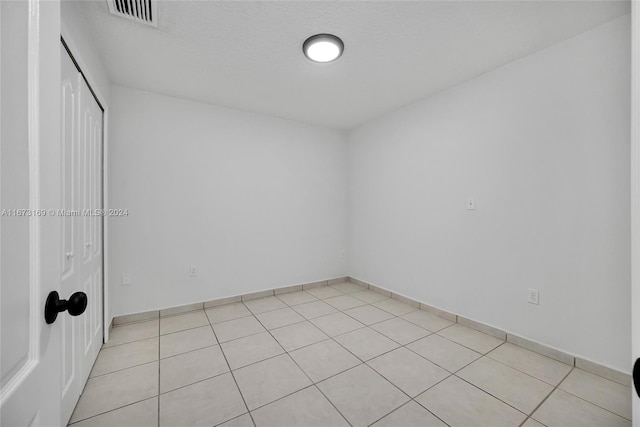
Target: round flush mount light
{"x": 323, "y": 48}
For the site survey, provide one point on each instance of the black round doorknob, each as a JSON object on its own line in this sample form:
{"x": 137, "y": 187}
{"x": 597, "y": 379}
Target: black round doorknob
{"x": 75, "y": 305}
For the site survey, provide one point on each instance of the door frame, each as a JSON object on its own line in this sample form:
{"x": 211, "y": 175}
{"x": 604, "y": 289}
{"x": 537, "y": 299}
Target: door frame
{"x": 76, "y": 56}
{"x": 635, "y": 196}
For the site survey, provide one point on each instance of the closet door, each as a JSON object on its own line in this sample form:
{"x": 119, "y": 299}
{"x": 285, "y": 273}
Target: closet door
{"x": 81, "y": 224}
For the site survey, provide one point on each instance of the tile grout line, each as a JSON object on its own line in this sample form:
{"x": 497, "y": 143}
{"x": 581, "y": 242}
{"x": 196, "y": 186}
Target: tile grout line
{"x": 111, "y": 410}
{"x": 365, "y": 362}
{"x": 588, "y": 401}
{"x": 231, "y": 372}
{"x": 363, "y": 287}
{"x": 491, "y": 394}
{"x": 313, "y": 383}
{"x": 405, "y": 404}
{"x": 310, "y": 320}
{"x": 521, "y": 371}
{"x": 455, "y": 374}
{"x": 547, "y": 397}
{"x": 333, "y": 339}
{"x": 386, "y": 379}
{"x": 235, "y": 418}
{"x": 411, "y": 399}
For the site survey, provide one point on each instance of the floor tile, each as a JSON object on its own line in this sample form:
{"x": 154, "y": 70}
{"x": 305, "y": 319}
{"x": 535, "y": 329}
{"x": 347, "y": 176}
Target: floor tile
{"x": 202, "y": 403}
{"x": 539, "y": 366}
{"x": 141, "y": 414}
{"x": 247, "y": 350}
{"x": 427, "y": 320}
{"x": 111, "y": 391}
{"x": 123, "y": 356}
{"x": 411, "y": 414}
{"x": 366, "y": 343}
{"x": 324, "y": 292}
{"x": 181, "y": 322}
{"x": 394, "y": 307}
{"x": 241, "y": 421}
{"x": 408, "y": 371}
{"x": 400, "y": 330}
{"x": 296, "y": 298}
{"x": 564, "y": 409}
{"x": 279, "y": 318}
{"x": 262, "y": 305}
{"x": 519, "y": 390}
{"x": 133, "y": 332}
{"x": 298, "y": 335}
{"x": 269, "y": 380}
{"x": 324, "y": 359}
{"x": 227, "y": 312}
{"x": 368, "y": 314}
{"x": 477, "y": 341}
{"x": 600, "y": 391}
{"x": 532, "y": 423}
{"x": 348, "y": 287}
{"x": 444, "y": 353}
{"x": 183, "y": 341}
{"x": 344, "y": 302}
{"x": 308, "y": 408}
{"x": 238, "y": 328}
{"x": 314, "y": 309}
{"x": 460, "y": 404}
{"x": 188, "y": 368}
{"x": 369, "y": 296}
{"x": 362, "y": 395}
{"x": 603, "y": 371}
{"x": 336, "y": 324}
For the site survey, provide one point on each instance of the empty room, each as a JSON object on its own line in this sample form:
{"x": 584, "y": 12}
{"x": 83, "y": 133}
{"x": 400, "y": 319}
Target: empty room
{"x": 319, "y": 213}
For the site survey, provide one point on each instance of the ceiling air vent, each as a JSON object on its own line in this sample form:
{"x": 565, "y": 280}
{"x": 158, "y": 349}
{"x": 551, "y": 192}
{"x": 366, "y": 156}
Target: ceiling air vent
{"x": 142, "y": 11}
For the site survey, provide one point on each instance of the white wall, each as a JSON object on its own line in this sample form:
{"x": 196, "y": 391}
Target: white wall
{"x": 543, "y": 146}
{"x": 79, "y": 38}
{"x": 254, "y": 202}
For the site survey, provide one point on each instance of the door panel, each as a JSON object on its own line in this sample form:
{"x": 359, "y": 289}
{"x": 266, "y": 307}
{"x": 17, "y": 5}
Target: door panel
{"x": 71, "y": 161}
{"x": 97, "y": 184}
{"x": 81, "y": 177}
{"x": 91, "y": 189}
{"x": 86, "y": 177}
{"x": 30, "y": 153}
{"x": 69, "y": 138}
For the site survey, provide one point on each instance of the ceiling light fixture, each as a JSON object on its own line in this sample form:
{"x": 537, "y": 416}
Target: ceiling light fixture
{"x": 323, "y": 48}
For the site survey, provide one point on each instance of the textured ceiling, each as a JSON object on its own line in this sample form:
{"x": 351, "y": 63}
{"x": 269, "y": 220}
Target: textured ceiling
{"x": 247, "y": 55}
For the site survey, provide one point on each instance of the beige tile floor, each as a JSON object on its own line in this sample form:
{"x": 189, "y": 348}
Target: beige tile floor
{"x": 333, "y": 356}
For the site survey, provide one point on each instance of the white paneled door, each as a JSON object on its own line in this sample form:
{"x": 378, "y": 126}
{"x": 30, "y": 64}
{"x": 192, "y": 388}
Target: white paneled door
{"x": 51, "y": 223}
{"x": 30, "y": 349}
{"x": 81, "y": 242}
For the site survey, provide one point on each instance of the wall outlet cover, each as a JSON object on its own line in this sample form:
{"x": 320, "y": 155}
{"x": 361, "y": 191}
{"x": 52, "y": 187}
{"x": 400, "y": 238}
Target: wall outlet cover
{"x": 471, "y": 204}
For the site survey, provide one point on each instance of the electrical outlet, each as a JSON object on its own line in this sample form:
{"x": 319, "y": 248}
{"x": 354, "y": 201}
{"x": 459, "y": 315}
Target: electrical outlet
{"x": 471, "y": 204}
{"x": 193, "y": 271}
{"x": 126, "y": 279}
{"x": 532, "y": 296}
